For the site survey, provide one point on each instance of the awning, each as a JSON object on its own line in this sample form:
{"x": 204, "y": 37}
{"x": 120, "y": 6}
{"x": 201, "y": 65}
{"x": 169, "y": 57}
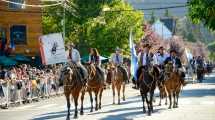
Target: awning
{"x": 6, "y": 61}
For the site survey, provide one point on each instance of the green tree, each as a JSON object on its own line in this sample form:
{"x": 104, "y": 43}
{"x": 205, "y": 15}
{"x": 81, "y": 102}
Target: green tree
{"x": 90, "y": 26}
{"x": 203, "y": 11}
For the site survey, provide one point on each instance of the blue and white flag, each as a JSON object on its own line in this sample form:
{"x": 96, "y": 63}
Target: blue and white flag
{"x": 134, "y": 63}
{"x": 188, "y": 54}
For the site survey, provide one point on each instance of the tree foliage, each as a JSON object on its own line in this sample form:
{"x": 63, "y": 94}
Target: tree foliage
{"x": 88, "y": 25}
{"x": 203, "y": 11}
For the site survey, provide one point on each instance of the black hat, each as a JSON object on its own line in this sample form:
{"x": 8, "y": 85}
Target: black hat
{"x": 173, "y": 50}
{"x": 161, "y": 47}
{"x": 147, "y": 45}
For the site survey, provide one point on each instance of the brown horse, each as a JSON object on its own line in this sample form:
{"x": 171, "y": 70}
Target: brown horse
{"x": 73, "y": 86}
{"x": 116, "y": 77}
{"x": 162, "y": 88}
{"x": 96, "y": 84}
{"x": 147, "y": 78}
{"x": 173, "y": 84}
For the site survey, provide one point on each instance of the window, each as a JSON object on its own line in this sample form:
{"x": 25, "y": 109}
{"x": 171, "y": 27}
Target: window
{"x": 16, "y": 6}
{"x": 18, "y": 34}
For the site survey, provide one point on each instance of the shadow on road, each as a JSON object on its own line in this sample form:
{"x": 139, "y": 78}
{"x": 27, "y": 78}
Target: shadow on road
{"x": 198, "y": 93}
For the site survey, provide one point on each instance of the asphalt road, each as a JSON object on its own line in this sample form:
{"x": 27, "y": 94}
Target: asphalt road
{"x": 196, "y": 102}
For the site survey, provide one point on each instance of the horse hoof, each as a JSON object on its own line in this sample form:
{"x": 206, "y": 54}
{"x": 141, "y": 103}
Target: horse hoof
{"x": 165, "y": 103}
{"x": 96, "y": 109}
{"x": 149, "y": 114}
{"x": 144, "y": 111}
{"x": 113, "y": 103}
{"x": 81, "y": 113}
{"x": 75, "y": 116}
{"x": 159, "y": 104}
{"x": 67, "y": 118}
{"x": 169, "y": 107}
{"x": 119, "y": 103}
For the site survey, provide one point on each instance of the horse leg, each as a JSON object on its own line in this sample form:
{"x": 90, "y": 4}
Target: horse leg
{"x": 177, "y": 96}
{"x": 148, "y": 105}
{"x": 100, "y": 98}
{"x": 143, "y": 99}
{"x": 68, "y": 106}
{"x": 82, "y": 100}
{"x": 75, "y": 97}
{"x": 174, "y": 101}
{"x": 96, "y": 99}
{"x": 123, "y": 92}
{"x": 151, "y": 100}
{"x": 119, "y": 90}
{"x": 170, "y": 100}
{"x": 113, "y": 89}
{"x": 160, "y": 98}
{"x": 91, "y": 100}
{"x": 166, "y": 100}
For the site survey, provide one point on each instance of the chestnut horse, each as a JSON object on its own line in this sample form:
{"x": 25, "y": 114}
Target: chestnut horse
{"x": 173, "y": 84}
{"x": 73, "y": 86}
{"x": 96, "y": 84}
{"x": 116, "y": 77}
{"x": 147, "y": 78}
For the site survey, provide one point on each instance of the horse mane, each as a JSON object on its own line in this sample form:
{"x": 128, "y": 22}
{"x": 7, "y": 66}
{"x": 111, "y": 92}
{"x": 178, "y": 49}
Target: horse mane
{"x": 76, "y": 76}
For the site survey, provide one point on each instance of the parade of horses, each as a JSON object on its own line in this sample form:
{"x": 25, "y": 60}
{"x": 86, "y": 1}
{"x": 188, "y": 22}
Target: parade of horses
{"x": 160, "y": 70}
{"x": 107, "y": 59}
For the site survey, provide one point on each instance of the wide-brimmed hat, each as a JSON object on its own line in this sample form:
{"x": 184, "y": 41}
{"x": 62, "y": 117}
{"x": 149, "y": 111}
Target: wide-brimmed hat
{"x": 72, "y": 44}
{"x": 161, "y": 48}
{"x": 173, "y": 50}
{"x": 118, "y": 49}
{"x": 147, "y": 45}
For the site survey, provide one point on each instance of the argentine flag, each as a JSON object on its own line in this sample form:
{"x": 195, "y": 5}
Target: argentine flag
{"x": 134, "y": 65}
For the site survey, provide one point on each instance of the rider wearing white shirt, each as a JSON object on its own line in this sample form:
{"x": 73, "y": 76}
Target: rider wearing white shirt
{"x": 161, "y": 57}
{"x": 146, "y": 58}
{"x": 75, "y": 57}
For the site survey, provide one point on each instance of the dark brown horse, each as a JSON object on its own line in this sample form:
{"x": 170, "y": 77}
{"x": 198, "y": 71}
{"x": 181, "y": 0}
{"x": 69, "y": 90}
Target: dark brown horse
{"x": 173, "y": 84}
{"x": 147, "y": 77}
{"x": 96, "y": 84}
{"x": 116, "y": 77}
{"x": 73, "y": 86}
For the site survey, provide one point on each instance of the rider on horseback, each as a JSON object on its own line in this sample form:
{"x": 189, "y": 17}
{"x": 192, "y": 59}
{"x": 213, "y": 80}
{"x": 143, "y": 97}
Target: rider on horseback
{"x": 161, "y": 57}
{"x": 176, "y": 63}
{"x": 94, "y": 58}
{"x": 145, "y": 59}
{"x": 74, "y": 56}
{"x": 117, "y": 60}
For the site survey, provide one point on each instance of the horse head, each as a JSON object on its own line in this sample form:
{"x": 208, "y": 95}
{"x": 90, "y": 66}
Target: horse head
{"x": 66, "y": 74}
{"x": 91, "y": 68}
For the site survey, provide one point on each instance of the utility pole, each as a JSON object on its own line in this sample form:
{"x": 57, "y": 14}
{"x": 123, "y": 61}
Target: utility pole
{"x": 64, "y": 19}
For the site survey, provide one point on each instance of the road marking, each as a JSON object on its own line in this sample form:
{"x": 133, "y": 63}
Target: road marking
{"x": 46, "y": 106}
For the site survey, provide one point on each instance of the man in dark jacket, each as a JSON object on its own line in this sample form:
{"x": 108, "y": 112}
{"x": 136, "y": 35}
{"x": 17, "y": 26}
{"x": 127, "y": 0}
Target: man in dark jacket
{"x": 176, "y": 63}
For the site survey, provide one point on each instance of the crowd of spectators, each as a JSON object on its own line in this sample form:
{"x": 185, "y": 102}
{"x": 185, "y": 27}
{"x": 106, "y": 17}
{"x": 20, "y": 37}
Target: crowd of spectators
{"x": 24, "y": 83}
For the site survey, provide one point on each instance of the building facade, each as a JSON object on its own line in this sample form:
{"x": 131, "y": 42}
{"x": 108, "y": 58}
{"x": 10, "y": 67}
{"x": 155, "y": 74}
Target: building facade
{"x": 20, "y": 27}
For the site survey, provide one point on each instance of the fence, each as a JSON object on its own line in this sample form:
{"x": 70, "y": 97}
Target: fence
{"x": 22, "y": 92}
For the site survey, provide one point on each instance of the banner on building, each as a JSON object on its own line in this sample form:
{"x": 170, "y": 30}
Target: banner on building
{"x": 52, "y": 49}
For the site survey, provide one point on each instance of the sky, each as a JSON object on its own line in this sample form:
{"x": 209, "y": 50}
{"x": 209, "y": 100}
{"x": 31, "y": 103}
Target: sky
{"x": 179, "y": 12}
